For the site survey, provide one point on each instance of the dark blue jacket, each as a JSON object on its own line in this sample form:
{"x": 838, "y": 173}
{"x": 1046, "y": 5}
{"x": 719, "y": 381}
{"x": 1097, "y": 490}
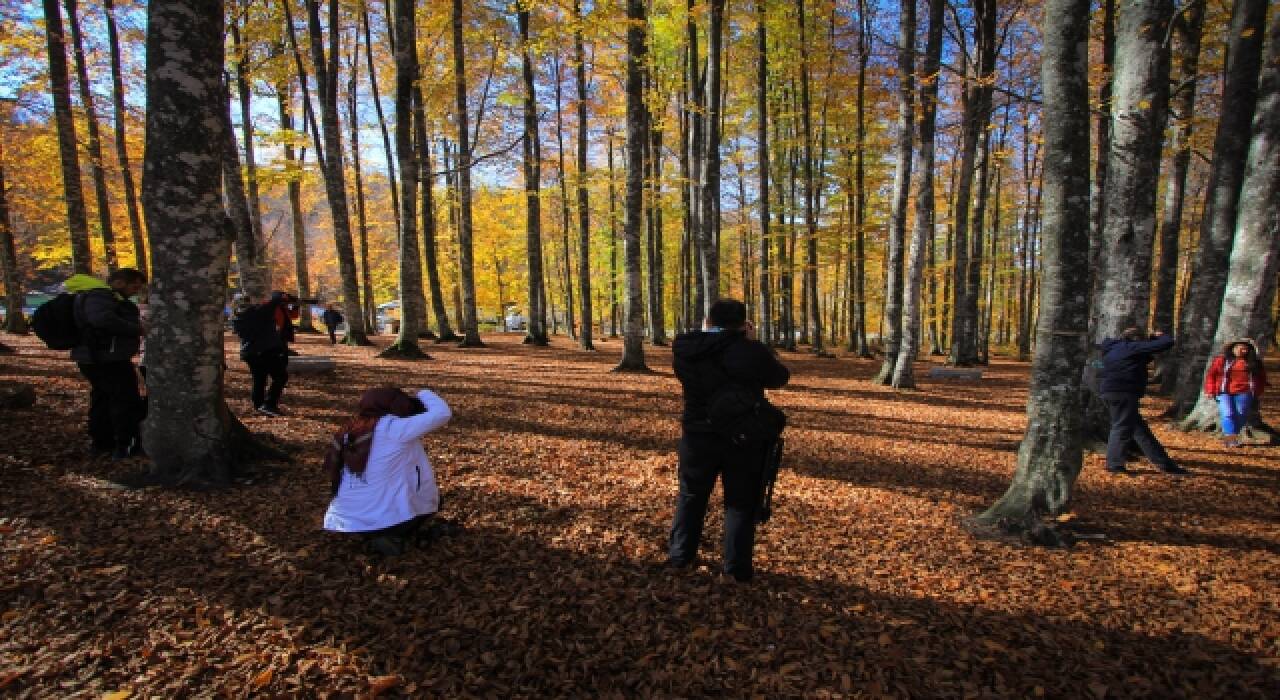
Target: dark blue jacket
{"x": 1124, "y": 363}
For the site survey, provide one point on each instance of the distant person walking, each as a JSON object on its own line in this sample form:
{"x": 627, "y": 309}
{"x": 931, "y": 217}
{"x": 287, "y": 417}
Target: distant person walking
{"x": 1123, "y": 384}
{"x": 724, "y": 353}
{"x": 332, "y": 318}
{"x": 265, "y": 330}
{"x": 383, "y": 484}
{"x": 1236, "y": 379}
{"x": 110, "y": 335}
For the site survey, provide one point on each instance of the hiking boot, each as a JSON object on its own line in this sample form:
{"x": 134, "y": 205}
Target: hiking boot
{"x": 269, "y": 410}
{"x": 1173, "y": 470}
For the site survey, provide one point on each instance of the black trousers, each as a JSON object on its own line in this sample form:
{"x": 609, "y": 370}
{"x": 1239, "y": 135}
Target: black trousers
{"x": 333, "y": 336}
{"x": 703, "y": 457}
{"x": 115, "y": 406}
{"x": 1128, "y": 424}
{"x": 270, "y": 365}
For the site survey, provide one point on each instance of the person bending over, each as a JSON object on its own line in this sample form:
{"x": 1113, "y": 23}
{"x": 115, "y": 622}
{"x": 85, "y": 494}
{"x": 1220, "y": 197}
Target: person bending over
{"x": 383, "y": 485}
{"x": 265, "y": 331}
{"x": 1124, "y": 383}
{"x": 1236, "y": 380}
{"x": 725, "y": 351}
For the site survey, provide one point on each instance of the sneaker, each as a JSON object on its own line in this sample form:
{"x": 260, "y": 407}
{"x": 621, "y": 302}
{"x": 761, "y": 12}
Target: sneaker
{"x": 1174, "y": 470}
{"x": 268, "y": 410}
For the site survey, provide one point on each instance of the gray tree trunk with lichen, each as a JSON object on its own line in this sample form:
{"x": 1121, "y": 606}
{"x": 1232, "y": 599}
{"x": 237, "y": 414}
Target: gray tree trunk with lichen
{"x": 72, "y": 188}
{"x": 189, "y": 433}
{"x": 633, "y": 207}
{"x": 1255, "y": 252}
{"x": 1050, "y": 457}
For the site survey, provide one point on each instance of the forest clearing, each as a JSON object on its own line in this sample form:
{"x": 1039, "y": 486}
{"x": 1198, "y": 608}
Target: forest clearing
{"x": 561, "y": 477}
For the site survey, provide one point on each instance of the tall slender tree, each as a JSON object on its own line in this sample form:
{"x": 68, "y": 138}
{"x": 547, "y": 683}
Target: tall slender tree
{"x": 762, "y": 153}
{"x": 122, "y": 151}
{"x": 892, "y": 316}
{"x": 584, "y": 210}
{"x": 72, "y": 188}
{"x": 536, "y": 314}
{"x": 466, "y": 266}
{"x": 1199, "y": 319}
{"x": 709, "y": 214}
{"x": 426, "y": 190}
{"x": 913, "y": 300}
{"x": 248, "y": 246}
{"x": 297, "y": 222}
{"x": 633, "y": 314}
{"x": 96, "y": 166}
{"x": 14, "y": 320}
{"x": 1050, "y": 457}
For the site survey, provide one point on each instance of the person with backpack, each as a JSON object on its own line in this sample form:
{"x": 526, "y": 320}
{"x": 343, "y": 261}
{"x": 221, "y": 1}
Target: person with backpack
{"x": 382, "y": 482}
{"x": 1122, "y": 384}
{"x": 332, "y": 318}
{"x": 728, "y": 430}
{"x": 108, "y": 331}
{"x": 1236, "y": 379}
{"x": 265, "y": 330}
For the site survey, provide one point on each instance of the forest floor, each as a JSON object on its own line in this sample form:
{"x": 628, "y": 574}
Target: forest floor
{"x": 562, "y": 477}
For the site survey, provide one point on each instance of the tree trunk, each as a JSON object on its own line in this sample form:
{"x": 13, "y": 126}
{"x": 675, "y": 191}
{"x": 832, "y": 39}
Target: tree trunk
{"x": 357, "y": 171}
{"x": 977, "y": 115}
{"x": 14, "y": 321}
{"x": 392, "y": 184}
{"x": 426, "y": 190}
{"x": 296, "y": 221}
{"x": 566, "y": 280}
{"x": 810, "y": 190}
{"x": 1200, "y": 314}
{"x": 762, "y": 153}
{"x": 708, "y": 238}
{"x": 189, "y": 433}
{"x": 1188, "y": 27}
{"x": 858, "y": 339}
{"x": 1050, "y": 457}
{"x": 892, "y": 316}
{"x": 584, "y": 212}
{"x": 1255, "y": 253}
{"x": 95, "y": 142}
{"x": 903, "y": 375}
{"x": 250, "y": 162}
{"x": 466, "y": 266}
{"x": 122, "y": 151}
{"x": 72, "y": 187}
{"x": 657, "y": 285}
{"x": 412, "y": 312}
{"x": 536, "y": 316}
{"x": 613, "y": 235}
{"x": 633, "y": 337}
{"x": 334, "y": 176}
{"x": 253, "y": 277}
{"x": 1097, "y": 195}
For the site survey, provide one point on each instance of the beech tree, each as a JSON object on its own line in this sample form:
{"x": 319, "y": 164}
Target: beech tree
{"x": 633, "y": 207}
{"x": 536, "y": 313}
{"x": 1200, "y": 313}
{"x": 1050, "y": 456}
{"x": 122, "y": 151}
{"x": 584, "y": 209}
{"x": 72, "y": 189}
{"x": 466, "y": 266}
{"x": 14, "y": 320}
{"x": 96, "y": 168}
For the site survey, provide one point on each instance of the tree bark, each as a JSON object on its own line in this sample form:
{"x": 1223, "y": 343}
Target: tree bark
{"x": 14, "y": 321}
{"x": 189, "y": 433}
{"x": 412, "y": 312}
{"x": 584, "y": 212}
{"x": 976, "y": 117}
{"x": 1255, "y": 253}
{"x": 253, "y": 278}
{"x": 122, "y": 151}
{"x": 393, "y": 185}
{"x": 566, "y": 280}
{"x": 72, "y": 187}
{"x": 96, "y": 169}
{"x": 858, "y": 311}
{"x": 810, "y": 189}
{"x": 613, "y": 242}
{"x": 426, "y": 190}
{"x": 903, "y": 374}
{"x": 633, "y": 337}
{"x": 1188, "y": 30}
{"x": 762, "y": 153}
{"x": 1103, "y": 146}
{"x": 536, "y": 323}
{"x": 250, "y": 161}
{"x": 466, "y": 265}
{"x": 297, "y": 222}
{"x": 1050, "y": 457}
{"x": 892, "y": 317}
{"x": 334, "y": 174}
{"x": 708, "y": 238}
{"x": 1200, "y": 314}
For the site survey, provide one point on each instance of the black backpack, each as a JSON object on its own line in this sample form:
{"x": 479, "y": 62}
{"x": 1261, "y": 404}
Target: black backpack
{"x": 741, "y": 415}
{"x": 54, "y": 322}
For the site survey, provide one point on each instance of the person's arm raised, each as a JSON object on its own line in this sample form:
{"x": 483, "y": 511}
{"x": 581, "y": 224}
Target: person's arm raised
{"x": 415, "y": 426}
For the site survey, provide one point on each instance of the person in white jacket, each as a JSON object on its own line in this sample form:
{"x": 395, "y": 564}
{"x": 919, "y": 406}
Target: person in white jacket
{"x": 383, "y": 484}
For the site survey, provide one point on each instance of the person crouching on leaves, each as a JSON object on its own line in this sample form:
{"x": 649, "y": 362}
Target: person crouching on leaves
{"x": 1236, "y": 380}
{"x": 383, "y": 484}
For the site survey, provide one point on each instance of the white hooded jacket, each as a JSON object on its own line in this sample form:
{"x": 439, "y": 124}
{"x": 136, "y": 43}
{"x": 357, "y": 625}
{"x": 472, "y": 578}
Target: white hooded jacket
{"x": 398, "y": 483}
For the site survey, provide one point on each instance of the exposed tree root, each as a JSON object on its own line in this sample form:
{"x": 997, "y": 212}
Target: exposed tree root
{"x": 403, "y": 351}
{"x": 449, "y": 338}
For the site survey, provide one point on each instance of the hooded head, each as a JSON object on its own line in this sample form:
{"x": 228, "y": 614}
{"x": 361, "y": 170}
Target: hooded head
{"x": 352, "y": 444}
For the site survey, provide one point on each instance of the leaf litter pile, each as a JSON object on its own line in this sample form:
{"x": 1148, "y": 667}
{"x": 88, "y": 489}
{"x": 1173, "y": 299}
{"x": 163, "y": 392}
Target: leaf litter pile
{"x": 561, "y": 477}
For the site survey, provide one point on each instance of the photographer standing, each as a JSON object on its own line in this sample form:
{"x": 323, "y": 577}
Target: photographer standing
{"x": 1124, "y": 382}
{"x": 722, "y": 359}
{"x": 265, "y": 331}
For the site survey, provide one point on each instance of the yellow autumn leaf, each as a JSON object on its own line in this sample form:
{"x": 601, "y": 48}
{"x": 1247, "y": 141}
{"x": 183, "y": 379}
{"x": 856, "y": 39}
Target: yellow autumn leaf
{"x": 118, "y": 694}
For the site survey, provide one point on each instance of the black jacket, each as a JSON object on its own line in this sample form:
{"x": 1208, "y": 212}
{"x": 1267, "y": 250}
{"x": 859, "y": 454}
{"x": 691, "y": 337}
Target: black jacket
{"x": 331, "y": 318}
{"x": 110, "y": 327}
{"x": 256, "y": 327}
{"x": 698, "y": 359}
{"x": 1124, "y": 363}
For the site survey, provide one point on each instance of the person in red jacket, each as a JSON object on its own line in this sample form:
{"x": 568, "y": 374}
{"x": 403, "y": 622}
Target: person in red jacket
{"x": 1236, "y": 379}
